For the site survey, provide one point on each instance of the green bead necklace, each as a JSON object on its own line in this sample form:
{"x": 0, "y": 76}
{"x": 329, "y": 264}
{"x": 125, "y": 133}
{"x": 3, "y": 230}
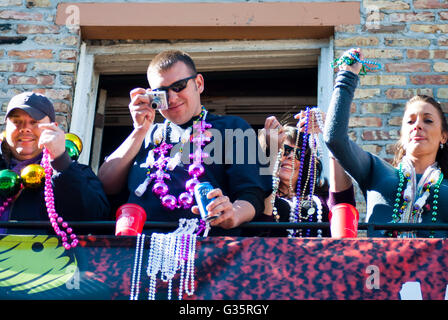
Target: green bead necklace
{"x": 401, "y": 200}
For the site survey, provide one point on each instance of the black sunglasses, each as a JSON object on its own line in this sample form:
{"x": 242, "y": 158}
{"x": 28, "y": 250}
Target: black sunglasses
{"x": 177, "y": 86}
{"x": 288, "y": 149}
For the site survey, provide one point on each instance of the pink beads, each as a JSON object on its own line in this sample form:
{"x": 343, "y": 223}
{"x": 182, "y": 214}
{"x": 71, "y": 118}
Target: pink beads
{"x": 5, "y": 205}
{"x": 169, "y": 201}
{"x": 190, "y": 184}
{"x": 195, "y": 170}
{"x": 185, "y": 200}
{"x": 55, "y": 220}
{"x": 160, "y": 189}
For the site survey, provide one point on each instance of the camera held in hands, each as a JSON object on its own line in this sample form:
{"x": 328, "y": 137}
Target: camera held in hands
{"x": 158, "y": 100}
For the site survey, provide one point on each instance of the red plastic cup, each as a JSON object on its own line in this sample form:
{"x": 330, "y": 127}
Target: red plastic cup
{"x": 130, "y": 220}
{"x": 343, "y": 221}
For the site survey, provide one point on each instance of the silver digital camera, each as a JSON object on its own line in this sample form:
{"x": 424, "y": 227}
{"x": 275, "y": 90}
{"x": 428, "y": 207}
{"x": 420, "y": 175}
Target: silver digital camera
{"x": 158, "y": 100}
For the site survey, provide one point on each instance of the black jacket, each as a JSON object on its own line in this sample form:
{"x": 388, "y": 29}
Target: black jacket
{"x": 78, "y": 194}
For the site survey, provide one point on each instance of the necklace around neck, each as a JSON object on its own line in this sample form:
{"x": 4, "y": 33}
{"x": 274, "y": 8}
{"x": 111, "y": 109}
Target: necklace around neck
{"x": 409, "y": 208}
{"x": 164, "y": 164}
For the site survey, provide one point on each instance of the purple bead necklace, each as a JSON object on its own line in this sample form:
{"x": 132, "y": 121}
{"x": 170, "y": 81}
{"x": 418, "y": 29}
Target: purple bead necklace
{"x": 56, "y": 221}
{"x": 296, "y": 209}
{"x": 297, "y": 200}
{"x": 195, "y": 170}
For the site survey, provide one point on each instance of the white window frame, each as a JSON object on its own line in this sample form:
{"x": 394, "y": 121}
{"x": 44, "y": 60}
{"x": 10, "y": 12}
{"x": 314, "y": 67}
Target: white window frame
{"x": 86, "y": 90}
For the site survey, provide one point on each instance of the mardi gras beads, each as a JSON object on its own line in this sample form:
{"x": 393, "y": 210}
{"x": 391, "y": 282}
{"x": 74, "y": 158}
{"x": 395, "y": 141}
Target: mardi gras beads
{"x": 10, "y": 183}
{"x": 56, "y": 221}
{"x": 32, "y": 176}
{"x": 73, "y": 145}
{"x": 402, "y": 200}
{"x": 349, "y": 58}
{"x": 164, "y": 164}
{"x": 294, "y": 216}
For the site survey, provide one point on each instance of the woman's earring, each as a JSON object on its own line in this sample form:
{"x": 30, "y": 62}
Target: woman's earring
{"x": 441, "y": 145}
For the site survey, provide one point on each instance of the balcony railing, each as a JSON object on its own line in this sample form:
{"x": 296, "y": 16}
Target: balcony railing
{"x": 110, "y": 225}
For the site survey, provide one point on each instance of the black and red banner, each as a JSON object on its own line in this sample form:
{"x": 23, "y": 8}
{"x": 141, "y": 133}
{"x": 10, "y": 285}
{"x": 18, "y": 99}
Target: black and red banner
{"x": 101, "y": 268}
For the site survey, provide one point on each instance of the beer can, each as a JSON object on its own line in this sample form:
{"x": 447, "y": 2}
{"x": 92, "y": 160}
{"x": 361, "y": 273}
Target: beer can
{"x": 200, "y": 193}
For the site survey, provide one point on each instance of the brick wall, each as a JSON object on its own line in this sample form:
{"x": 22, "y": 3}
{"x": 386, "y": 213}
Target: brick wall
{"x": 409, "y": 38}
{"x": 36, "y": 54}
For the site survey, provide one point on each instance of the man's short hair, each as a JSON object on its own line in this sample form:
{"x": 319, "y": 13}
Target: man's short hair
{"x": 166, "y": 59}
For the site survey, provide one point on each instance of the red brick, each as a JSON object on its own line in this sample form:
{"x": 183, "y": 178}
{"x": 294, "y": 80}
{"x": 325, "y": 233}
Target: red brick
{"x": 44, "y": 80}
{"x": 408, "y": 67}
{"x": 430, "y": 4}
{"x": 385, "y": 5}
{"x": 61, "y": 107}
{"x": 405, "y": 94}
{"x": 373, "y": 135}
{"x": 55, "y": 94}
{"x": 436, "y": 79}
{"x": 21, "y": 80}
{"x": 440, "y": 54}
{"x": 380, "y": 28}
{"x": 427, "y": 54}
{"x": 17, "y": 15}
{"x": 418, "y": 54}
{"x": 67, "y": 55}
{"x": 411, "y": 16}
{"x": 19, "y": 67}
{"x": 33, "y": 29}
{"x": 32, "y": 54}
{"x": 365, "y": 122}
{"x": 443, "y": 15}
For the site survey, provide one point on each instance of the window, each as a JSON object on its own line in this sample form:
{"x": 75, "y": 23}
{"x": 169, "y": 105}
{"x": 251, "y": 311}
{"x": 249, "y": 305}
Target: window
{"x": 258, "y": 77}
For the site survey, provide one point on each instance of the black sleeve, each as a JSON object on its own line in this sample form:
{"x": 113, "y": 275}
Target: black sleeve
{"x": 79, "y": 194}
{"x": 255, "y": 196}
{"x": 244, "y": 174}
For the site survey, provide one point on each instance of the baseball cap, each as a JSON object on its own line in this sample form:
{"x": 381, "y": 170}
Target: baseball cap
{"x": 35, "y": 104}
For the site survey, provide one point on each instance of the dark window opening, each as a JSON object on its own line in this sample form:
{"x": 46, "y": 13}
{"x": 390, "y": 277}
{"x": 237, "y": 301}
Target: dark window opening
{"x": 253, "y": 95}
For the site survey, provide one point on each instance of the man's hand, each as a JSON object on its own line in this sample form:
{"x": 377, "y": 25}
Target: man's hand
{"x": 141, "y": 112}
{"x": 230, "y": 215}
{"x": 53, "y": 139}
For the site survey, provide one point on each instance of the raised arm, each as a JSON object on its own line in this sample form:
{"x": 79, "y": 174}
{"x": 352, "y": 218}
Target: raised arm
{"x": 339, "y": 180}
{"x": 351, "y": 157}
{"x": 114, "y": 171}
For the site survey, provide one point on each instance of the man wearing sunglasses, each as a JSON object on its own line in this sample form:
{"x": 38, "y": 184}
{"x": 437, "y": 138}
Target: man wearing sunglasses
{"x": 239, "y": 189}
